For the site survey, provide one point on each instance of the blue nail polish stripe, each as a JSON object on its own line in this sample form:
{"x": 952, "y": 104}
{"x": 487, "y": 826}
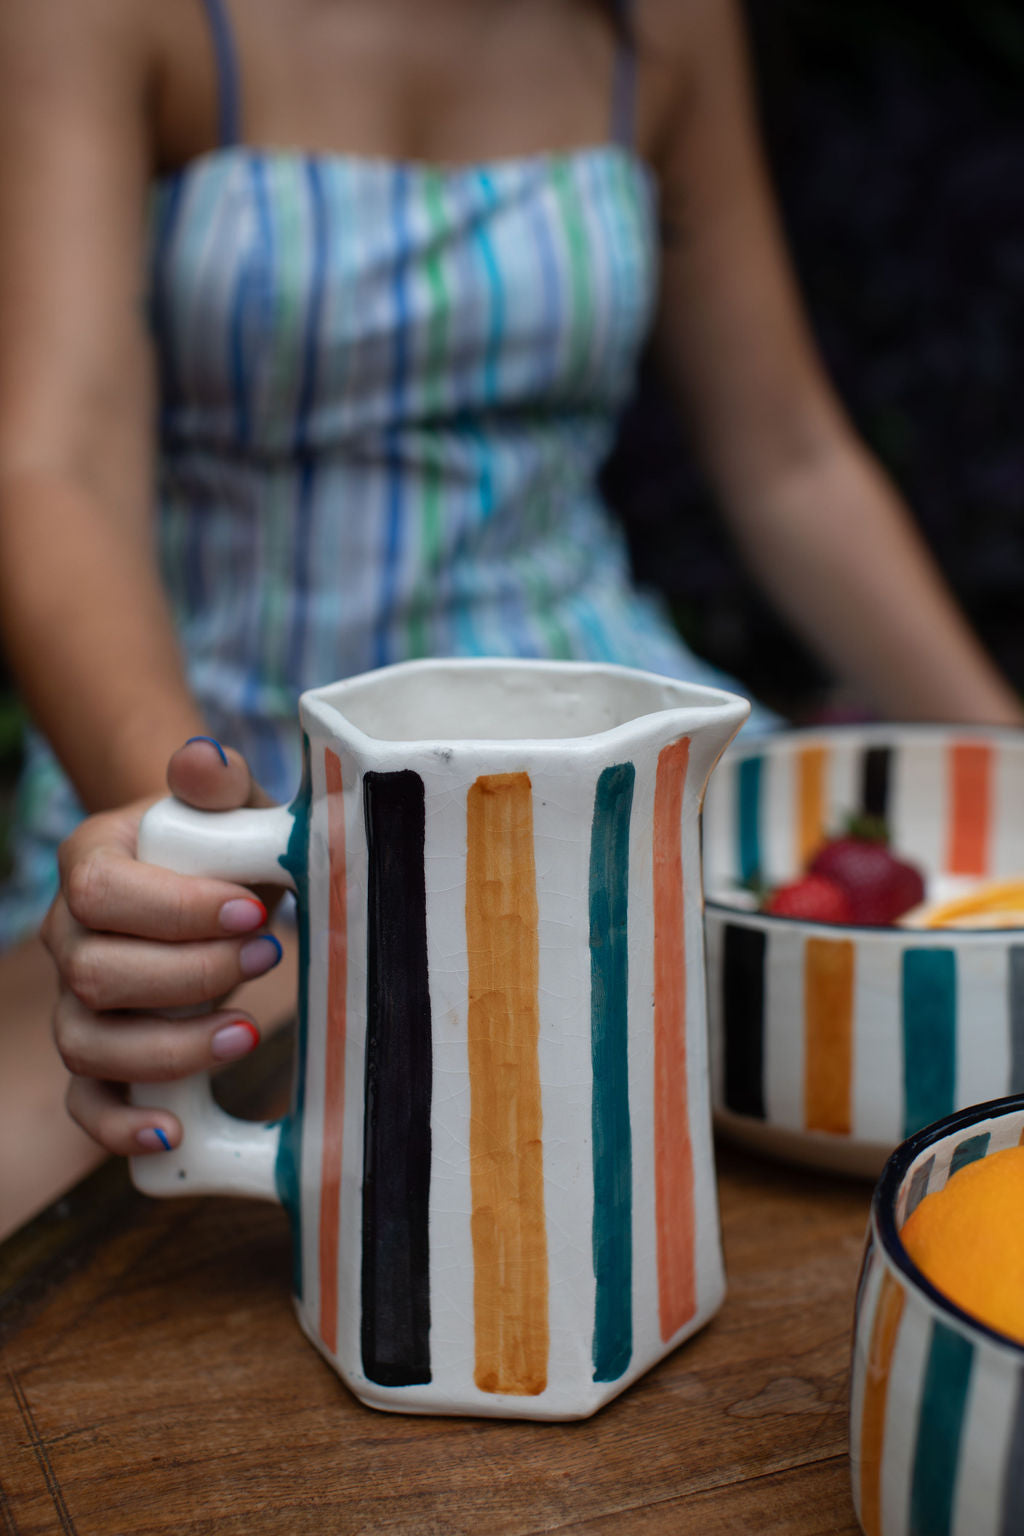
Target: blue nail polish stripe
{"x": 213, "y": 742}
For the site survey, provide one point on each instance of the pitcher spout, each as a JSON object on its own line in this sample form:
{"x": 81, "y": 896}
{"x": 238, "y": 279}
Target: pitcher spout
{"x": 711, "y": 726}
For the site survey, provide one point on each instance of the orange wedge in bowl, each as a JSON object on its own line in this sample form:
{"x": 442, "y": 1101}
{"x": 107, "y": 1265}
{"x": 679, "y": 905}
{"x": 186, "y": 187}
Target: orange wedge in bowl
{"x": 996, "y": 904}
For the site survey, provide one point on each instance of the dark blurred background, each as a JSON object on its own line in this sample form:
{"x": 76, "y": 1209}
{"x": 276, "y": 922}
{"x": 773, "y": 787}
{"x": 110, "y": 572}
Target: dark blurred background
{"x": 896, "y": 136}
{"x": 895, "y": 131}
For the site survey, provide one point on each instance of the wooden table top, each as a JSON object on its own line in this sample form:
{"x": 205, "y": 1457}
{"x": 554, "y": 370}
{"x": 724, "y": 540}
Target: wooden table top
{"x": 155, "y": 1381}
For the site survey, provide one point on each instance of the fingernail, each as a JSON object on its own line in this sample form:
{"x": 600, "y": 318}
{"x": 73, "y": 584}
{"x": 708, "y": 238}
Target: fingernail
{"x": 235, "y": 1040}
{"x": 153, "y": 1139}
{"x": 259, "y": 955}
{"x": 213, "y": 743}
{"x": 242, "y": 914}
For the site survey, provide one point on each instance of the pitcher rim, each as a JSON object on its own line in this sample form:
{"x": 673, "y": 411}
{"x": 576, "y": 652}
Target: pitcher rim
{"x": 718, "y": 705}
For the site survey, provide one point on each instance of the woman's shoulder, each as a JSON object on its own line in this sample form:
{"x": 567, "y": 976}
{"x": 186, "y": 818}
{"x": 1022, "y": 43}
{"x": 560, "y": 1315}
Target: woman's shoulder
{"x": 78, "y": 35}
{"x": 132, "y": 65}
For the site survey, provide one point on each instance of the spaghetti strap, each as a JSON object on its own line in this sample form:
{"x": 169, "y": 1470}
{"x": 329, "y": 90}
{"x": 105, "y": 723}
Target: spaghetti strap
{"x": 624, "y": 78}
{"x": 229, "y": 95}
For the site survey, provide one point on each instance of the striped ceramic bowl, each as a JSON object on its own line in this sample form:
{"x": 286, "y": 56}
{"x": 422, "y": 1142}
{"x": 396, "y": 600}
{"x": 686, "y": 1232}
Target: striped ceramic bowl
{"x": 830, "y": 1043}
{"x": 936, "y": 1398}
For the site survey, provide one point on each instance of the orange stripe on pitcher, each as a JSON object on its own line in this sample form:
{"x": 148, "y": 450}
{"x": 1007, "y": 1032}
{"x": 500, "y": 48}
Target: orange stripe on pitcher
{"x": 828, "y": 1043}
{"x": 509, "y": 1236}
{"x": 970, "y": 807}
{"x": 673, "y": 1151}
{"x": 884, "y": 1332}
{"x": 334, "y": 1056}
{"x": 810, "y": 803}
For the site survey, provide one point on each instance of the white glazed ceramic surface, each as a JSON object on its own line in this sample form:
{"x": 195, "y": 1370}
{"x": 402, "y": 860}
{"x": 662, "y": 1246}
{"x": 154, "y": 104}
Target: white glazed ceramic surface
{"x": 832, "y": 1043}
{"x": 498, "y": 1164}
{"x": 936, "y": 1398}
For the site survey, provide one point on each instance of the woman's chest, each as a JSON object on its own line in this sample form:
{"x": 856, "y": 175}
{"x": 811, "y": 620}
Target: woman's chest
{"x": 358, "y": 294}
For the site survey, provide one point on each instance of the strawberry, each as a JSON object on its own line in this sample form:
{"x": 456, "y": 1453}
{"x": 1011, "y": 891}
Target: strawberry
{"x": 813, "y": 897}
{"x": 880, "y": 887}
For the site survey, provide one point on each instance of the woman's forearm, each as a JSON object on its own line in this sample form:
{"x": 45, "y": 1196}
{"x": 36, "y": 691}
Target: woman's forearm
{"x": 835, "y": 548}
{"x": 90, "y": 640}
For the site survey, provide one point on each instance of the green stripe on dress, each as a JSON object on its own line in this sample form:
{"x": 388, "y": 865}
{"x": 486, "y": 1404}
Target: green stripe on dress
{"x": 580, "y": 296}
{"x": 435, "y": 371}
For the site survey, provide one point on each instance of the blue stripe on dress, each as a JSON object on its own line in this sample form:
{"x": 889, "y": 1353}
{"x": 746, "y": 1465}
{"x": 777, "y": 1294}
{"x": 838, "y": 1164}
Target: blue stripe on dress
{"x": 304, "y": 510}
{"x": 496, "y": 316}
{"x": 394, "y": 489}
{"x": 547, "y": 356}
{"x": 240, "y": 375}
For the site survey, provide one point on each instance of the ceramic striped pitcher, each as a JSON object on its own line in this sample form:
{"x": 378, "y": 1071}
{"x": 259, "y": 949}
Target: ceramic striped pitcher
{"x": 498, "y": 1162}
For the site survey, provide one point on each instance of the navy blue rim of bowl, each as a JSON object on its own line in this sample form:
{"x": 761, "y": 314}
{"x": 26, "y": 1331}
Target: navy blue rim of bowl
{"x": 883, "y": 1205}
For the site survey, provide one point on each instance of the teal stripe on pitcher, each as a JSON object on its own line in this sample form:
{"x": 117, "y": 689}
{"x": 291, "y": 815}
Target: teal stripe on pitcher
{"x": 289, "y": 1148}
{"x": 929, "y": 1036}
{"x": 609, "y": 1048}
{"x": 748, "y": 816}
{"x": 939, "y": 1429}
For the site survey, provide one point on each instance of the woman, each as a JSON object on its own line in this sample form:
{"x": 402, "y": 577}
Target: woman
{"x": 384, "y": 308}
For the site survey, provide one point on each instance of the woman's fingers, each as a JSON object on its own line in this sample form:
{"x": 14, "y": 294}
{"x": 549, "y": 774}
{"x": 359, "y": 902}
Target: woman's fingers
{"x": 108, "y": 971}
{"x": 129, "y": 1047}
{"x": 100, "y": 1109}
{"x": 109, "y": 891}
{"x": 130, "y": 939}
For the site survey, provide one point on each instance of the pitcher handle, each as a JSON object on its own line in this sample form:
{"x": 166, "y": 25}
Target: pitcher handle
{"x": 218, "y": 1153}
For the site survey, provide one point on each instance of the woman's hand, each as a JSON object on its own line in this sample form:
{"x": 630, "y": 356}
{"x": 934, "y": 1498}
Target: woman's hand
{"x": 131, "y": 940}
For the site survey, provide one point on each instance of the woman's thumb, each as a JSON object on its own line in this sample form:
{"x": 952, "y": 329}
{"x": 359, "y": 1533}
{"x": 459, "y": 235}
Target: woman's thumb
{"x": 212, "y": 778}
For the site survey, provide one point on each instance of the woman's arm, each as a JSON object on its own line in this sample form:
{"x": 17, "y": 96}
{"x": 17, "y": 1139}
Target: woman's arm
{"x": 813, "y": 514}
{"x": 84, "y": 617}
{"x": 84, "y": 620}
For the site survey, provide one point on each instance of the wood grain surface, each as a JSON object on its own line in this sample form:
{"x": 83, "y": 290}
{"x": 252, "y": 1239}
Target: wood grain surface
{"x": 154, "y": 1380}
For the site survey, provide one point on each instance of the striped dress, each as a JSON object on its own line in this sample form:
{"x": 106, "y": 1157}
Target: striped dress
{"x": 386, "y": 390}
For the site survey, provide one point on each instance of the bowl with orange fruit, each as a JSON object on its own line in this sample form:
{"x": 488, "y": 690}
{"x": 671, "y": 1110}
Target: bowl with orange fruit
{"x": 937, "y": 1369}
{"x": 864, "y": 924}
